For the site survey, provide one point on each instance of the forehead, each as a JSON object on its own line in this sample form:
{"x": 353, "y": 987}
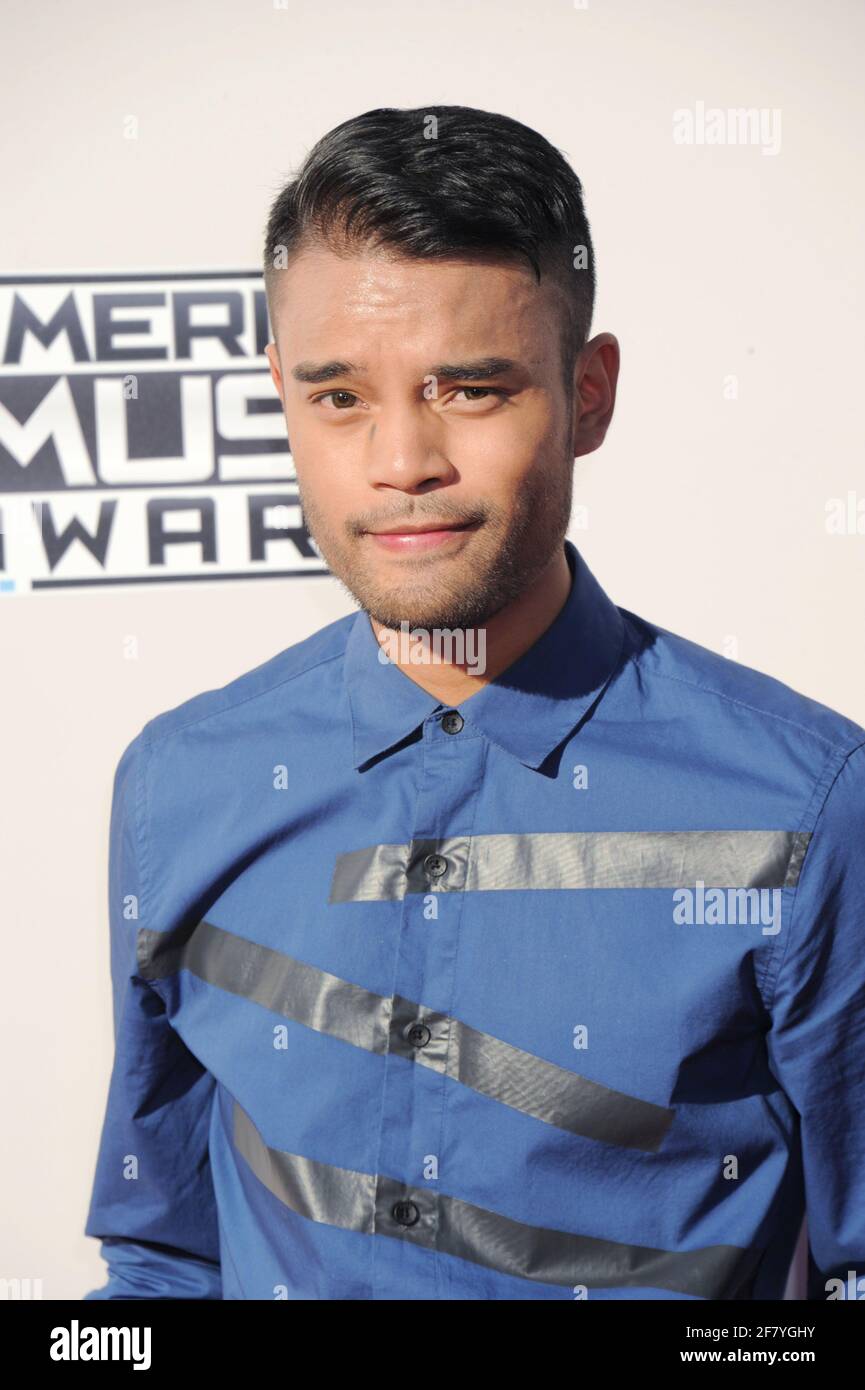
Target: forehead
{"x": 487, "y": 304}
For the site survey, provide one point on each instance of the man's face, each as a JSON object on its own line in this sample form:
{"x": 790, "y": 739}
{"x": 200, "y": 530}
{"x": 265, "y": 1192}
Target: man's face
{"x": 424, "y": 392}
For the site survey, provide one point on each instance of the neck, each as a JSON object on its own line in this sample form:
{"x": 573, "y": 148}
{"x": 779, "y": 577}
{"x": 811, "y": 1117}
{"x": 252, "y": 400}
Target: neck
{"x": 508, "y": 634}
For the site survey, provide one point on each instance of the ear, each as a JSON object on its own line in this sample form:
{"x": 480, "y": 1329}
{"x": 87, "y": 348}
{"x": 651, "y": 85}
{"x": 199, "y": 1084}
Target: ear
{"x": 272, "y": 354}
{"x": 596, "y": 374}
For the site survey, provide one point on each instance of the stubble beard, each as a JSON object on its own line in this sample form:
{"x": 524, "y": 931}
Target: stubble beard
{"x": 501, "y": 560}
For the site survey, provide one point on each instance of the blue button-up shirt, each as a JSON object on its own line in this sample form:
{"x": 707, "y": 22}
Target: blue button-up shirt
{"x": 556, "y": 994}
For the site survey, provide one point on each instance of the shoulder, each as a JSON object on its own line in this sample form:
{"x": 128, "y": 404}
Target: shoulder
{"x": 686, "y": 678}
{"x": 291, "y": 670}
{"x": 289, "y": 678}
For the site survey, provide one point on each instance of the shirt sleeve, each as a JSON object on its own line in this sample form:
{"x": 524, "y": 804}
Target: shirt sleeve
{"x": 152, "y": 1203}
{"x": 816, "y": 1041}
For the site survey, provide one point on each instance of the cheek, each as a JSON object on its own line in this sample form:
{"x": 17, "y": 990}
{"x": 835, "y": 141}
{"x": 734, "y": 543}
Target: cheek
{"x": 331, "y": 449}
{"x": 507, "y": 445}
{"x": 331, "y": 489}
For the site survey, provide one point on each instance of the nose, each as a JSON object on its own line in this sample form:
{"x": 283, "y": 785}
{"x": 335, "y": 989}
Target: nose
{"x": 406, "y": 448}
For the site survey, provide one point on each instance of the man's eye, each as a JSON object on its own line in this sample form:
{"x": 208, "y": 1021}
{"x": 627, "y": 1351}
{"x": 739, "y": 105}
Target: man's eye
{"x": 478, "y": 393}
{"x": 341, "y": 399}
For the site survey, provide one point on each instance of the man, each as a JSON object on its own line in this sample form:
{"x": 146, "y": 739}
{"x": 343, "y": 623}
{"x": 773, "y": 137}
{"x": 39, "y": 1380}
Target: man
{"x": 531, "y": 968}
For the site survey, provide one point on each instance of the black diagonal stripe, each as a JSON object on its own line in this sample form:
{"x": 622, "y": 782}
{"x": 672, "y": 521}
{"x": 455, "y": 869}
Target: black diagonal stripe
{"x": 379, "y": 1023}
{"x": 365, "y": 1202}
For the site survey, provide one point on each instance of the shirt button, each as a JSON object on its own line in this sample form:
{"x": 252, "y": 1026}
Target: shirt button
{"x": 452, "y": 722}
{"x": 435, "y": 865}
{"x": 404, "y": 1213}
{"x": 419, "y": 1035}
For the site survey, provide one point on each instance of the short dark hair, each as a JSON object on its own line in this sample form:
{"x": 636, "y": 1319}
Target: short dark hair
{"x": 469, "y": 181}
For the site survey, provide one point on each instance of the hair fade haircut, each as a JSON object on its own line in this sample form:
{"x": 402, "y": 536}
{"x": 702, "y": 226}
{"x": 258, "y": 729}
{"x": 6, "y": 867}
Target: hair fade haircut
{"x": 466, "y": 182}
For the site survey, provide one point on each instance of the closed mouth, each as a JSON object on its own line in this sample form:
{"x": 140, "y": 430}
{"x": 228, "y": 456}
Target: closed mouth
{"x": 425, "y": 529}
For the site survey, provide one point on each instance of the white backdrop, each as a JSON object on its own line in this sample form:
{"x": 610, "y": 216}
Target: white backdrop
{"x": 731, "y": 273}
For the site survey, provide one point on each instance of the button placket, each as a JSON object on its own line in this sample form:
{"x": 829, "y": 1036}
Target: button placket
{"x": 411, "y": 1135}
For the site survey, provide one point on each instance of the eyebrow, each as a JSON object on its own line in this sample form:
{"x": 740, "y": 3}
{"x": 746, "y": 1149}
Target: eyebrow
{"x": 322, "y": 371}
{"x": 474, "y": 370}
{"x": 478, "y": 367}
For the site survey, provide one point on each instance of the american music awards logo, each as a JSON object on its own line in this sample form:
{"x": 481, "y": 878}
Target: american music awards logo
{"x": 141, "y": 437}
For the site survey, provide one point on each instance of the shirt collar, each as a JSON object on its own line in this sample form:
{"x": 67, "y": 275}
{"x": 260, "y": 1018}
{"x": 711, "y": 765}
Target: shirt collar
{"x": 527, "y": 710}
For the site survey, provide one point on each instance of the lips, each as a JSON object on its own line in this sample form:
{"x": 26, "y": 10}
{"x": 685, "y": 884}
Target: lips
{"x": 414, "y": 542}
{"x": 424, "y": 528}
